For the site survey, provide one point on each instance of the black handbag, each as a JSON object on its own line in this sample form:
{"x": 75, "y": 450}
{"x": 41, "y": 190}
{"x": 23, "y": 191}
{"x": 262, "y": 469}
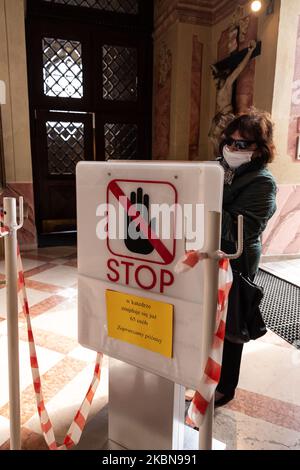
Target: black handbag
{"x": 244, "y": 318}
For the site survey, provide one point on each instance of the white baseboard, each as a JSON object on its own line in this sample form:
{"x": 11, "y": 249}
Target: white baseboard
{"x": 283, "y": 257}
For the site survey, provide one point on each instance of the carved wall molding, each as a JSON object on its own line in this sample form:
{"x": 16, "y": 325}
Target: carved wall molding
{"x": 200, "y": 12}
{"x": 240, "y": 20}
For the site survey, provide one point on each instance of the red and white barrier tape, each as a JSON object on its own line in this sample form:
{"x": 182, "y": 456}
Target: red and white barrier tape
{"x": 74, "y": 433}
{"x": 212, "y": 371}
{"x": 208, "y": 383}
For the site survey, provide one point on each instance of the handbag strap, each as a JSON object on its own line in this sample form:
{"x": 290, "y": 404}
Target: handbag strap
{"x": 245, "y": 263}
{"x": 243, "y": 259}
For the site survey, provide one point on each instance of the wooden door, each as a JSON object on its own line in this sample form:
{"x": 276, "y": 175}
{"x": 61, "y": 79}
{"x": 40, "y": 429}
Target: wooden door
{"x": 90, "y": 87}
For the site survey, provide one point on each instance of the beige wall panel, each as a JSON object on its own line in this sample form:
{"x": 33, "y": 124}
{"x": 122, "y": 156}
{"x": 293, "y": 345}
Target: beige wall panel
{"x": 8, "y": 143}
{"x": 284, "y": 168}
{"x": 266, "y": 63}
{"x": 168, "y": 42}
{"x": 19, "y": 89}
{"x": 186, "y": 39}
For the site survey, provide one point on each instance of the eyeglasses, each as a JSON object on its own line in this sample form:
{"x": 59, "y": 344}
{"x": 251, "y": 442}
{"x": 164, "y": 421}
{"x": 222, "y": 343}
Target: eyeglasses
{"x": 240, "y": 144}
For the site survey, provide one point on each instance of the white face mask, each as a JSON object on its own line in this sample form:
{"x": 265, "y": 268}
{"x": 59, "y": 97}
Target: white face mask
{"x": 236, "y": 159}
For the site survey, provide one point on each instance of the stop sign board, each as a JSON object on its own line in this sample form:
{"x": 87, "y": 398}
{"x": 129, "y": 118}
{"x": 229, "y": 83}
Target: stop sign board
{"x": 152, "y": 249}
{"x": 135, "y": 259}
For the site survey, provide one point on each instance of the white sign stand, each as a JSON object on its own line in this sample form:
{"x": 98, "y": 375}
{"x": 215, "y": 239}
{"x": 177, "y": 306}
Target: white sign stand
{"x": 146, "y": 390}
{"x": 160, "y": 424}
{"x": 146, "y": 412}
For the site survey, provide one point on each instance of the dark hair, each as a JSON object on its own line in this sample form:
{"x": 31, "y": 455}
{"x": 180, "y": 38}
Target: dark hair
{"x": 257, "y": 126}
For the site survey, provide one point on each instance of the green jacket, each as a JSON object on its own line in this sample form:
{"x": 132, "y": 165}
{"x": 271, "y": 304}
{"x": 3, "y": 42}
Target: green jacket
{"x": 252, "y": 194}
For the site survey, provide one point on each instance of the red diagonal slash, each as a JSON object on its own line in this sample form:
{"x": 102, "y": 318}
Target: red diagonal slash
{"x": 157, "y": 244}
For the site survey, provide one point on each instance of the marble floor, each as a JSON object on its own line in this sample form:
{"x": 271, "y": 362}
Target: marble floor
{"x": 264, "y": 415}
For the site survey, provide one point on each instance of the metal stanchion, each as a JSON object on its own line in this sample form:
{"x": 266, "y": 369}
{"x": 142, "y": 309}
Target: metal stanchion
{"x": 213, "y": 229}
{"x": 211, "y": 268}
{"x": 10, "y": 221}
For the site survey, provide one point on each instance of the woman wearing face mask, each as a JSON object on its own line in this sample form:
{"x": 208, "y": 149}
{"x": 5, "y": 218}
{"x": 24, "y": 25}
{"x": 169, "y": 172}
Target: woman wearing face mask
{"x": 250, "y": 190}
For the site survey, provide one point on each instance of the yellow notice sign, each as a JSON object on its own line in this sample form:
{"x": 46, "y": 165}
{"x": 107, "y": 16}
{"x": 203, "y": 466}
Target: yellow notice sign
{"x": 143, "y": 322}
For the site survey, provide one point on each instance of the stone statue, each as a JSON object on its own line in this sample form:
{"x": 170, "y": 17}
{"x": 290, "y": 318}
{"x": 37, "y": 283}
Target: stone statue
{"x": 224, "y": 81}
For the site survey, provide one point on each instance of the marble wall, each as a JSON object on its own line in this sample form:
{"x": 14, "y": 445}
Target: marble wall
{"x": 294, "y": 122}
{"x": 282, "y": 235}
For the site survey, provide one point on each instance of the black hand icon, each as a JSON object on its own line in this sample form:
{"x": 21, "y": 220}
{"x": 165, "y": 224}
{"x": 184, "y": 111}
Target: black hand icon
{"x": 139, "y": 244}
